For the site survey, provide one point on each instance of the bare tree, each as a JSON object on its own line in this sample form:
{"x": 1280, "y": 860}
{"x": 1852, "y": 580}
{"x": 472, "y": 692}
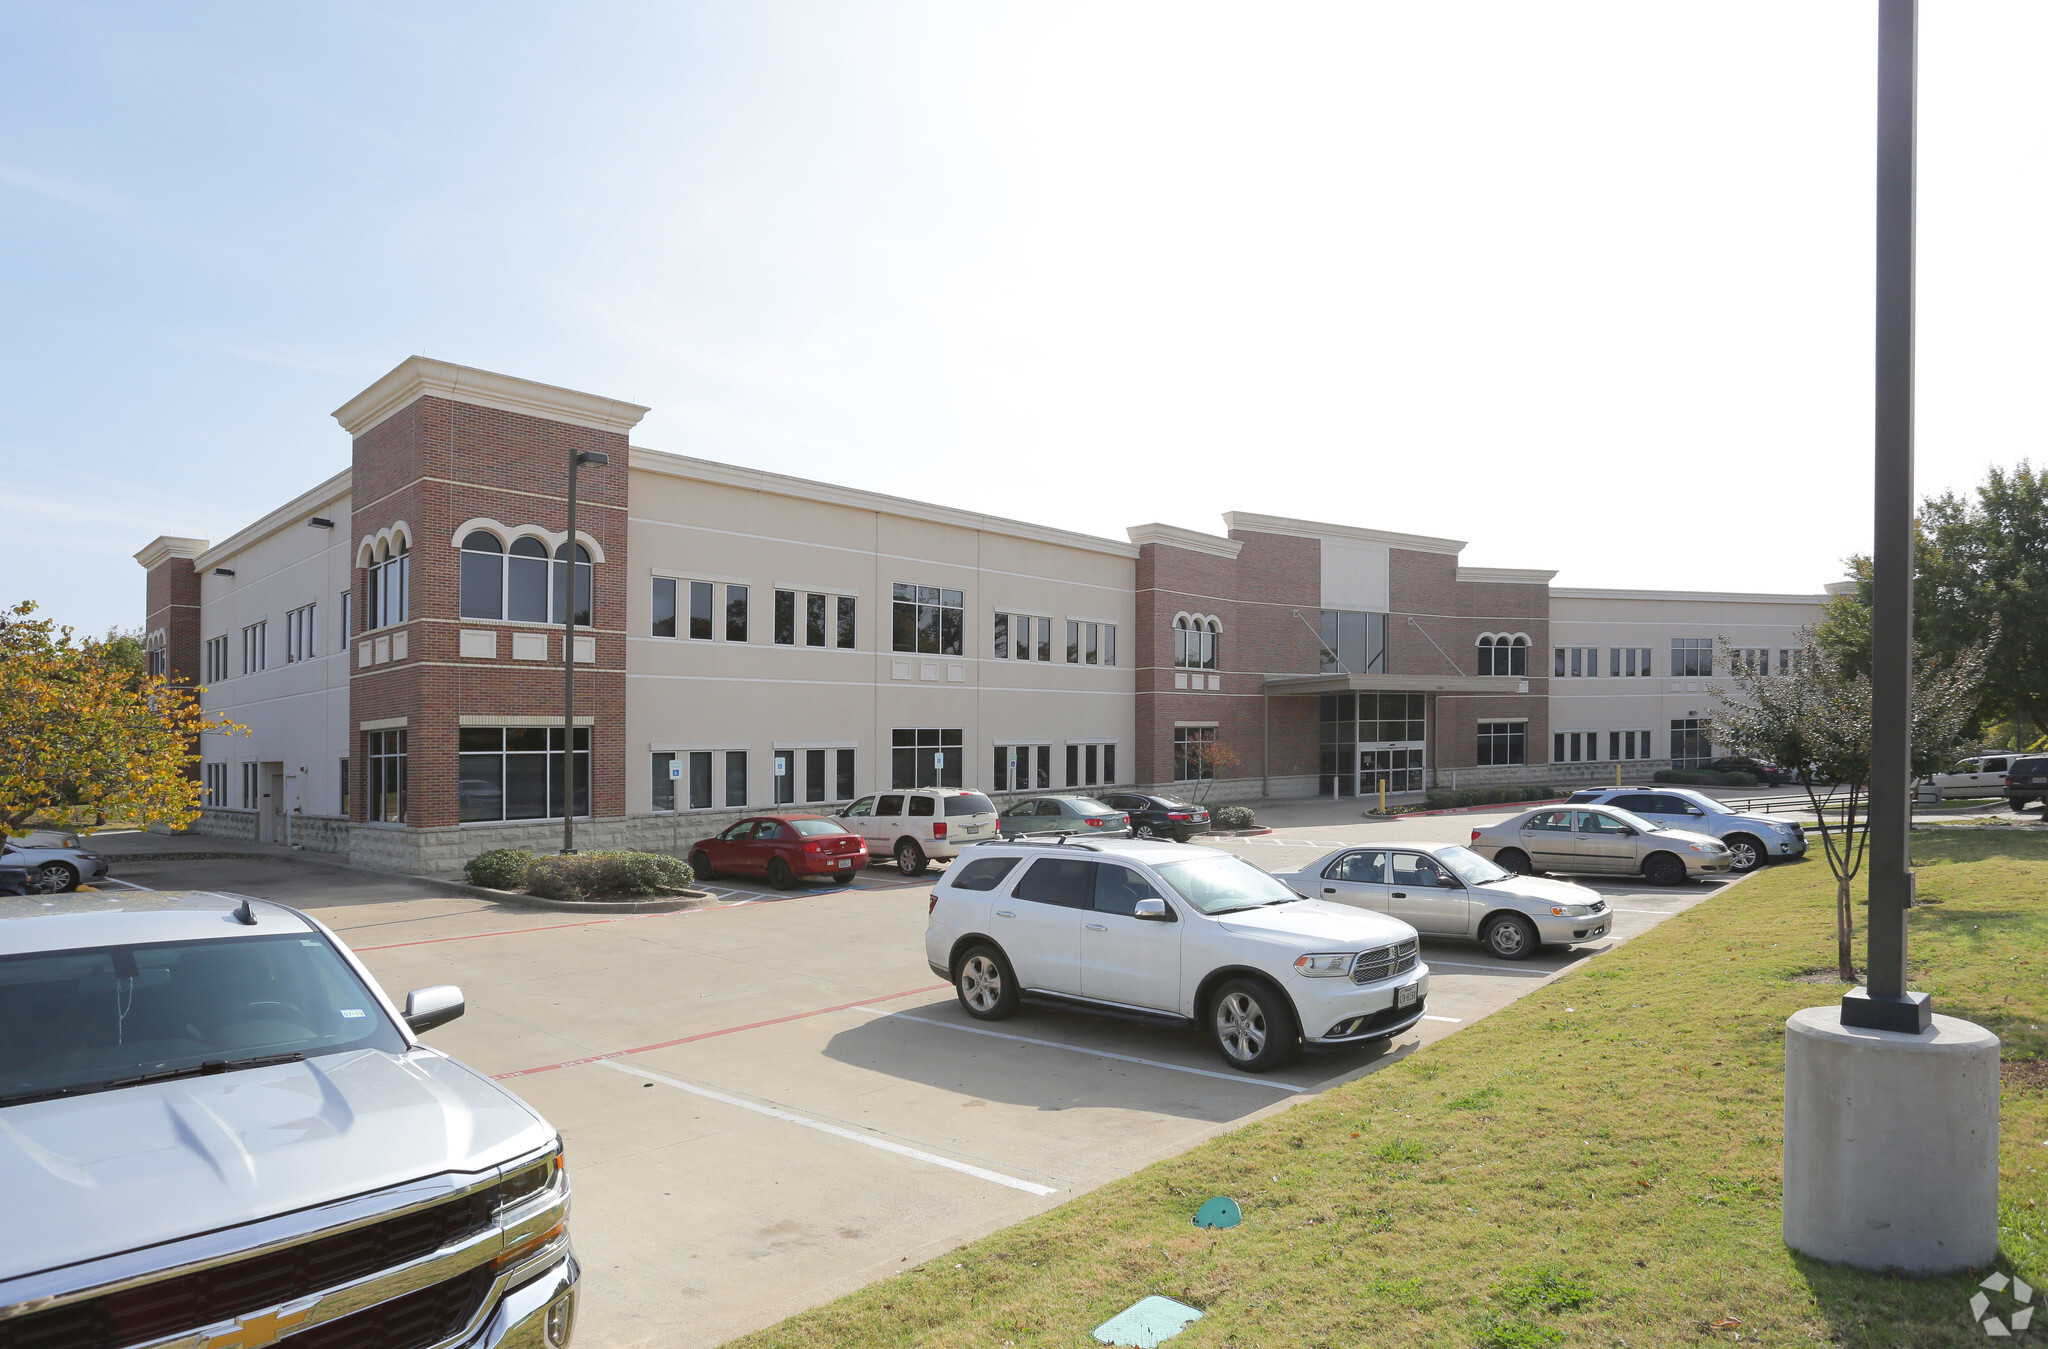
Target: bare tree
{"x": 1816, "y": 718}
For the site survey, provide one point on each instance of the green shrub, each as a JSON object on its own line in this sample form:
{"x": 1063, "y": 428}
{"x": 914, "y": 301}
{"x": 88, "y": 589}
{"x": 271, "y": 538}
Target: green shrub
{"x": 1234, "y": 817}
{"x": 1489, "y": 796}
{"x": 499, "y": 869}
{"x": 607, "y": 875}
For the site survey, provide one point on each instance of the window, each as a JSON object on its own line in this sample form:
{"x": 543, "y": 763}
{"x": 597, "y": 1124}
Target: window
{"x": 384, "y": 757}
{"x": 515, "y": 772}
{"x": 1092, "y": 764}
{"x": 931, "y": 622}
{"x": 216, "y": 659}
{"x": 1195, "y": 641}
{"x": 842, "y": 775}
{"x": 344, "y": 788}
{"x": 983, "y": 873}
{"x": 255, "y": 647}
{"x": 1354, "y": 643}
{"x": 1784, "y": 660}
{"x": 1574, "y": 746}
{"x": 1628, "y": 662}
{"x": 483, "y": 576}
{"x": 1118, "y": 889}
{"x": 664, "y": 624}
{"x": 814, "y": 620}
{"x": 156, "y": 659}
{"x": 1066, "y": 882}
{"x": 1504, "y": 655}
{"x": 1628, "y": 745}
{"x": 390, "y": 574}
{"x": 700, "y": 611}
{"x": 251, "y": 788}
{"x": 1095, "y": 644}
{"x": 1579, "y": 662}
{"x": 695, "y": 780}
{"x": 735, "y": 777}
{"x": 1194, "y": 753}
{"x": 1754, "y": 658}
{"x": 784, "y": 777}
{"x": 1689, "y": 746}
{"x": 560, "y": 589}
{"x": 785, "y": 618}
{"x": 526, "y": 581}
{"x": 1022, "y": 768}
{"x": 1002, "y": 637}
{"x": 1692, "y": 657}
{"x": 299, "y": 634}
{"x": 844, "y": 624}
{"x": 924, "y": 758}
{"x": 216, "y": 785}
{"x": 1503, "y": 742}
{"x": 347, "y": 613}
{"x": 1024, "y": 637}
{"x": 735, "y": 613}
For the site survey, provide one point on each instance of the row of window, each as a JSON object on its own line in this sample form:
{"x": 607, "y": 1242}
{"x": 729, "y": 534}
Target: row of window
{"x": 519, "y": 584}
{"x": 1195, "y": 642}
{"x": 1691, "y": 658}
{"x": 301, "y": 642}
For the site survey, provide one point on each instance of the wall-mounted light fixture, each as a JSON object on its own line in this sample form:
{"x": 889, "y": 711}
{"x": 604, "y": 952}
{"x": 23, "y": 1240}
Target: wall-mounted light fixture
{"x": 319, "y": 522}
{"x": 223, "y": 571}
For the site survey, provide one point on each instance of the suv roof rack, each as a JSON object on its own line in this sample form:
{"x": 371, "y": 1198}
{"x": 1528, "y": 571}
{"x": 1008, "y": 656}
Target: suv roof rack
{"x": 1020, "y": 842}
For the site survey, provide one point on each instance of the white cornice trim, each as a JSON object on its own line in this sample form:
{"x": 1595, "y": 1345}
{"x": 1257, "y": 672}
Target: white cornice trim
{"x": 1311, "y": 529}
{"x": 1709, "y": 596}
{"x": 805, "y": 489}
{"x": 419, "y": 377}
{"x": 294, "y": 512}
{"x": 1173, "y": 536}
{"x": 168, "y": 546}
{"x": 1513, "y": 576}
{"x": 1840, "y": 587}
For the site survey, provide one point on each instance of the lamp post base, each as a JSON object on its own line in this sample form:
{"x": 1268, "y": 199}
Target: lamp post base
{"x": 1891, "y": 1143}
{"x": 1909, "y": 1014}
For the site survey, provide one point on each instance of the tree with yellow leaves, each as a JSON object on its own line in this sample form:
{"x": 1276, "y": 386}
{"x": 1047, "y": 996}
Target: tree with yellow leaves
{"x": 81, "y": 731}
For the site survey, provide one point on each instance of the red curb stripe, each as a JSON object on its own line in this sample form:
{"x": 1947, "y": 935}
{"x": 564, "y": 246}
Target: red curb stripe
{"x": 713, "y": 1034}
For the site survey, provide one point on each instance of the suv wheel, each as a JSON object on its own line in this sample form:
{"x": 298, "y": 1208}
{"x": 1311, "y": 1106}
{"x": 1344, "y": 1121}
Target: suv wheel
{"x": 1252, "y": 1026}
{"x": 1664, "y": 869}
{"x": 56, "y": 878}
{"x": 1513, "y": 859}
{"x": 986, "y": 987}
{"x": 779, "y": 874}
{"x": 1745, "y": 853}
{"x": 1511, "y": 937}
{"x": 910, "y": 859}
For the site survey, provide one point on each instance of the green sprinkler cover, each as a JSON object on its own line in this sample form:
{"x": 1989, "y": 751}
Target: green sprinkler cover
{"x": 1218, "y": 1212}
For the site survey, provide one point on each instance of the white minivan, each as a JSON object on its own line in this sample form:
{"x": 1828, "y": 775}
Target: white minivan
{"x": 919, "y": 824}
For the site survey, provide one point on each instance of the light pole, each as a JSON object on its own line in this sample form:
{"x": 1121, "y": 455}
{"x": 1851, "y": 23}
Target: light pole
{"x": 577, "y": 458}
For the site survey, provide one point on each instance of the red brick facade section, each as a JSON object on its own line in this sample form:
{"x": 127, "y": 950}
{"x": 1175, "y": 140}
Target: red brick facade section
{"x": 173, "y": 599}
{"x": 1450, "y": 614}
{"x": 434, "y": 465}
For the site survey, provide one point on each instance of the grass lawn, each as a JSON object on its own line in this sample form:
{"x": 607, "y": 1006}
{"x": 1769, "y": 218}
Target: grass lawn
{"x": 1596, "y": 1165}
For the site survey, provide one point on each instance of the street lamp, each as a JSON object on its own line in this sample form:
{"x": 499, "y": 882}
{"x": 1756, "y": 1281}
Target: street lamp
{"x": 577, "y": 458}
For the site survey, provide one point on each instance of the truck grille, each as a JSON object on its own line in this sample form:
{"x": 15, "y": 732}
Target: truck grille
{"x": 1384, "y": 962}
{"x": 411, "y": 1322}
{"x": 221, "y": 1293}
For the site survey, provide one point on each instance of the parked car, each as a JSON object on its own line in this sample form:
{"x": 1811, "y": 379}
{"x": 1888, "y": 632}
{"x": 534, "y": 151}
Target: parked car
{"x": 2027, "y": 780}
{"x": 54, "y": 869}
{"x": 217, "y": 1130}
{"x": 1447, "y": 890}
{"x": 1172, "y": 933}
{"x": 1078, "y": 815}
{"x": 1160, "y": 816}
{"x": 920, "y": 825}
{"x": 1769, "y": 774}
{"x": 15, "y": 881}
{"x": 1752, "y": 840}
{"x": 1980, "y": 775}
{"x": 782, "y": 848}
{"x": 1607, "y": 840}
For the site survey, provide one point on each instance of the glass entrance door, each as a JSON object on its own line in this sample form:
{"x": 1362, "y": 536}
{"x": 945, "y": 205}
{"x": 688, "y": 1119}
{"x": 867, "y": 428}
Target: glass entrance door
{"x": 1399, "y": 765}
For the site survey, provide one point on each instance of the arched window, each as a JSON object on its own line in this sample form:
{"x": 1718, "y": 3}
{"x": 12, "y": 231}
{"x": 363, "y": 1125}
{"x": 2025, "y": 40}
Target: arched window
{"x": 561, "y": 586}
{"x": 483, "y": 576}
{"x": 1195, "y": 642}
{"x": 1183, "y": 640}
{"x": 526, "y": 582}
{"x": 390, "y": 573}
{"x": 1503, "y": 655}
{"x": 1518, "y": 662}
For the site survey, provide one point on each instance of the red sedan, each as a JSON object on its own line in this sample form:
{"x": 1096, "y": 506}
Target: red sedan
{"x": 782, "y": 848}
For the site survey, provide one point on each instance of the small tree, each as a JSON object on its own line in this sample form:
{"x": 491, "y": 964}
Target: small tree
{"x": 1209, "y": 759}
{"x": 1817, "y": 719}
{"x": 82, "y": 730}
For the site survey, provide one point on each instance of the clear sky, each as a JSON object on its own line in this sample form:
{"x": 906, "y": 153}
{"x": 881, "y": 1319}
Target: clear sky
{"x": 1588, "y": 285}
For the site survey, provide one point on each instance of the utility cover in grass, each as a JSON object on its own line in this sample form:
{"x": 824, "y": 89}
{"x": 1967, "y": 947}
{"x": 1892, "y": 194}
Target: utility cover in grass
{"x": 1218, "y": 1212}
{"x": 1152, "y": 1321}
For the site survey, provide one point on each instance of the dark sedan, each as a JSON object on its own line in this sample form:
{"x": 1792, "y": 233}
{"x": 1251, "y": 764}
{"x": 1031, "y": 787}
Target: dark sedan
{"x": 782, "y": 848}
{"x": 1161, "y": 816}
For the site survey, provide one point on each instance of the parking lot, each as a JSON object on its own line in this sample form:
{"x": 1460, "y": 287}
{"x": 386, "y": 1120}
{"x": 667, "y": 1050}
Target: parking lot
{"x": 773, "y": 1100}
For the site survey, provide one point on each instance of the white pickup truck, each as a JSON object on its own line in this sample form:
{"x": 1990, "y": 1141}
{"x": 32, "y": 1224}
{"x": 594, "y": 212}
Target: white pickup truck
{"x": 216, "y": 1132}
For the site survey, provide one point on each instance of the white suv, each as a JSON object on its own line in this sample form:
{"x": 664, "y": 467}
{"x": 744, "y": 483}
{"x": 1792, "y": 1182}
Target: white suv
{"x": 918, "y": 825}
{"x": 1176, "y": 933}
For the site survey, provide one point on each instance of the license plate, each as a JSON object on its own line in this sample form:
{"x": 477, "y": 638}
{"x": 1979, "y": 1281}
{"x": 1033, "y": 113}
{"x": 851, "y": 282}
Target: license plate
{"x": 971, "y": 829}
{"x": 1405, "y": 997}
{"x": 845, "y": 862}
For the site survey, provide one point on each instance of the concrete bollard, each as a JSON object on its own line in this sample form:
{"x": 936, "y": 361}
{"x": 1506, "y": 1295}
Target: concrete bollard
{"x": 1891, "y": 1144}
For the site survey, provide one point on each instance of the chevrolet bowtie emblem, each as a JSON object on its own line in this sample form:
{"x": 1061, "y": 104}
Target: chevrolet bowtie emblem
{"x": 259, "y": 1329}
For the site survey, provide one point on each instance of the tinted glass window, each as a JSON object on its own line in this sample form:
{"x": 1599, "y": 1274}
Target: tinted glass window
{"x": 921, "y": 805}
{"x": 1663, "y": 805}
{"x": 889, "y": 805}
{"x": 1118, "y": 889}
{"x": 1639, "y": 801}
{"x": 739, "y": 831}
{"x": 1602, "y": 824}
{"x": 767, "y": 829}
{"x": 1412, "y": 869}
{"x": 970, "y": 803}
{"x": 860, "y": 807}
{"x": 814, "y": 828}
{"x": 1368, "y": 868}
{"x": 1551, "y": 821}
{"x": 1058, "y": 880}
{"x": 983, "y": 873}
{"x": 1995, "y": 765}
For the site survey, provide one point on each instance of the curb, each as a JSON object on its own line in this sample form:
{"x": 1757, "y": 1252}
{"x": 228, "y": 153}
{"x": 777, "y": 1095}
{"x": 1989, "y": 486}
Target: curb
{"x": 694, "y": 899}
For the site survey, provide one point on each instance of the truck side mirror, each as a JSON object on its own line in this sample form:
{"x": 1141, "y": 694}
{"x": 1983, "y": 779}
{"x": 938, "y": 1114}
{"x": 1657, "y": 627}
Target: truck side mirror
{"x": 437, "y": 1005}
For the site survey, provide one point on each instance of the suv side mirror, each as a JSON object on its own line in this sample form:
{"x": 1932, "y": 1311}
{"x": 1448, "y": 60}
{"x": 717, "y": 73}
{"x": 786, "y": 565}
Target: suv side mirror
{"x": 1152, "y": 911}
{"x": 1694, "y": 810}
{"x": 426, "y": 1008}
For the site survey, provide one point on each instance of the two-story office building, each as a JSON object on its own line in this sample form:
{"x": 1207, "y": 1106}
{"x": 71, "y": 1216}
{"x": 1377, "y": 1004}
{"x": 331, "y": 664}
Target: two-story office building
{"x": 392, "y": 640}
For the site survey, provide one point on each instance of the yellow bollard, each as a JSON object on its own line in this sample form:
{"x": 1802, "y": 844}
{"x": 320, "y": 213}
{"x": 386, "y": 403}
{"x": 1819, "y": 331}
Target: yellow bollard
{"x": 1617, "y": 775}
{"x": 1383, "y": 796}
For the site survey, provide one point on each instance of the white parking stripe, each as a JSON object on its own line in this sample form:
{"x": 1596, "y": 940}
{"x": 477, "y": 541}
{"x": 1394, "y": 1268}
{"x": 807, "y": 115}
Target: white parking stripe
{"x": 1452, "y": 1019}
{"x": 1433, "y": 962}
{"x": 1083, "y": 1049}
{"x": 836, "y": 1131}
{"x": 109, "y": 880}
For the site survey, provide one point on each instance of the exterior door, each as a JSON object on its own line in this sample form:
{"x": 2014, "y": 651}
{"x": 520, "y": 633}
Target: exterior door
{"x": 1357, "y": 878}
{"x": 1547, "y": 838}
{"x": 273, "y": 803}
{"x": 1039, "y": 925}
{"x": 1605, "y": 843}
{"x": 1417, "y": 895}
{"x": 882, "y": 828}
{"x": 1126, "y": 959}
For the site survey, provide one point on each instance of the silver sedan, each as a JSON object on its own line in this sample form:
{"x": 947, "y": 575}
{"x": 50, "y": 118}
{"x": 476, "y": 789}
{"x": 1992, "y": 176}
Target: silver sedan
{"x": 1447, "y": 890}
{"x": 1595, "y": 841}
{"x": 54, "y": 869}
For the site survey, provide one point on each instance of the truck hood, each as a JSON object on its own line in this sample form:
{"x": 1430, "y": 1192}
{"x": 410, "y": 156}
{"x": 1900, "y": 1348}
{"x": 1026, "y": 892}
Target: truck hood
{"x": 91, "y": 1176}
{"x": 1316, "y": 923}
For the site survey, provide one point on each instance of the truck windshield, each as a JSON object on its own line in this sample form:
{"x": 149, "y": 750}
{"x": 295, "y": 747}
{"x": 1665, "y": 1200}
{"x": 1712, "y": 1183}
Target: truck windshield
{"x": 92, "y": 1020}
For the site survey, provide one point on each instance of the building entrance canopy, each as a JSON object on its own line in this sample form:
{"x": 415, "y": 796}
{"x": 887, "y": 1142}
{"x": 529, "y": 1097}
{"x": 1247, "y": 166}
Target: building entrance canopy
{"x": 1401, "y": 683}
